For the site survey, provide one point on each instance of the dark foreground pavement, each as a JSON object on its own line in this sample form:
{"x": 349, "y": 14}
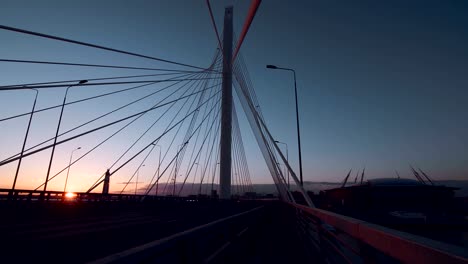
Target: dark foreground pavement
{"x": 81, "y": 232}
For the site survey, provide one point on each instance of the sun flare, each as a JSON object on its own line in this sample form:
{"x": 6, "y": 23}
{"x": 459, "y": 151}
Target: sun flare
{"x": 70, "y": 195}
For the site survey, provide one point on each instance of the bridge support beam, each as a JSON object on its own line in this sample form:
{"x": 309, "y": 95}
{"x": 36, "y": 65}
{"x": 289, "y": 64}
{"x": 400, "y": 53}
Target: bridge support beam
{"x": 226, "y": 109}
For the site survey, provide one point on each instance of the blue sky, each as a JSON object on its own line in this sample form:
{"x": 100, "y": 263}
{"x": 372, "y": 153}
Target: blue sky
{"x": 381, "y": 85}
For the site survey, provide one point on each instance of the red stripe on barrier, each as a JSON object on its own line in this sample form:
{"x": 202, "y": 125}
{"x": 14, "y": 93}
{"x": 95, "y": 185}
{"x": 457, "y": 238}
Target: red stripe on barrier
{"x": 402, "y": 246}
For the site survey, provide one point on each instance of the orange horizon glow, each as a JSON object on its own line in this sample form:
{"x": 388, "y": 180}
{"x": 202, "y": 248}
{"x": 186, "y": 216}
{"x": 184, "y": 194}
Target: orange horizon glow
{"x": 70, "y": 195}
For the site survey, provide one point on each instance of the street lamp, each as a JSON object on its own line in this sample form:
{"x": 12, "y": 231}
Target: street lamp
{"x": 56, "y": 133}
{"x": 179, "y": 149}
{"x": 238, "y": 184}
{"x": 279, "y": 168}
{"x": 287, "y": 158}
{"x": 136, "y": 182}
{"x": 194, "y": 177}
{"x": 68, "y": 171}
{"x": 297, "y": 117}
{"x": 24, "y": 142}
{"x": 159, "y": 166}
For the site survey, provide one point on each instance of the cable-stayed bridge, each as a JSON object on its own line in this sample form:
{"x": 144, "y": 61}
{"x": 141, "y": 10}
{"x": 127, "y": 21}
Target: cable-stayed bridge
{"x": 179, "y": 125}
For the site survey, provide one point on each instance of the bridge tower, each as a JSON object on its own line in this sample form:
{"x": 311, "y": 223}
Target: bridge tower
{"x": 226, "y": 108}
{"x": 105, "y": 187}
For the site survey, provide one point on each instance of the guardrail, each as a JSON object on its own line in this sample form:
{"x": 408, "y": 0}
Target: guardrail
{"x": 58, "y": 196}
{"x": 202, "y": 244}
{"x": 341, "y": 239}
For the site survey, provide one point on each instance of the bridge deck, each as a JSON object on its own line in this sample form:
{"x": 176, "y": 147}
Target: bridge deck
{"x": 276, "y": 241}
{"x": 264, "y": 234}
{"x": 176, "y": 231}
{"x": 80, "y": 232}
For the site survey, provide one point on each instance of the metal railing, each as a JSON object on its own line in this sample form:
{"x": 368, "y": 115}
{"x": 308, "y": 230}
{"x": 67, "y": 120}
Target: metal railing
{"x": 58, "y": 196}
{"x": 342, "y": 239}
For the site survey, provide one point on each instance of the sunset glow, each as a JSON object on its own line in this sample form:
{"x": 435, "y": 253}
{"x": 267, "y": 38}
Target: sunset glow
{"x": 70, "y": 195}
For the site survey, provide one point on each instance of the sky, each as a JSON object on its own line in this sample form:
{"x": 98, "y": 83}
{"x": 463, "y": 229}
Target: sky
{"x": 381, "y": 84}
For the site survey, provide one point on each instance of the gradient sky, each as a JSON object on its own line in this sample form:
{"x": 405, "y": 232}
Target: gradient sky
{"x": 381, "y": 85}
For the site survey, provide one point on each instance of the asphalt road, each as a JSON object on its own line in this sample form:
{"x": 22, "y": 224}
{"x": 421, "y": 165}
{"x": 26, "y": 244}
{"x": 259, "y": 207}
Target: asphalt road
{"x": 80, "y": 232}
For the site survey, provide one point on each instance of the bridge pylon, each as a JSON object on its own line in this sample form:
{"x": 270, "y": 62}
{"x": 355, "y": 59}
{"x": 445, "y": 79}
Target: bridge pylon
{"x": 105, "y": 187}
{"x": 226, "y": 108}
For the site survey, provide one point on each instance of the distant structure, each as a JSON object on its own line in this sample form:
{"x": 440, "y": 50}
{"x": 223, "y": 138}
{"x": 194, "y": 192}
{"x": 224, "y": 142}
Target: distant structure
{"x": 105, "y": 188}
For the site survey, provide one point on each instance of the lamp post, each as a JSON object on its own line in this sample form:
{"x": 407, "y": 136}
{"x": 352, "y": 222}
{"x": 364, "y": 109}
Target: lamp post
{"x": 68, "y": 171}
{"x": 214, "y": 175}
{"x": 179, "y": 149}
{"x": 24, "y": 142}
{"x": 287, "y": 158}
{"x": 136, "y": 182}
{"x": 56, "y": 133}
{"x": 279, "y": 168}
{"x": 159, "y": 166}
{"x": 239, "y": 186}
{"x": 194, "y": 177}
{"x": 297, "y": 117}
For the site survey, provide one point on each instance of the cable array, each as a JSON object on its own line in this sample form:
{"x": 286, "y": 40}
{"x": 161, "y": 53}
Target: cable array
{"x": 176, "y": 95}
{"x": 174, "y": 111}
{"x": 94, "y": 46}
{"x": 250, "y": 104}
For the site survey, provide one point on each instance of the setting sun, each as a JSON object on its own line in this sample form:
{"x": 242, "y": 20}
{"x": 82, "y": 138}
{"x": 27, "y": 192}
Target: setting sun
{"x": 70, "y": 195}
